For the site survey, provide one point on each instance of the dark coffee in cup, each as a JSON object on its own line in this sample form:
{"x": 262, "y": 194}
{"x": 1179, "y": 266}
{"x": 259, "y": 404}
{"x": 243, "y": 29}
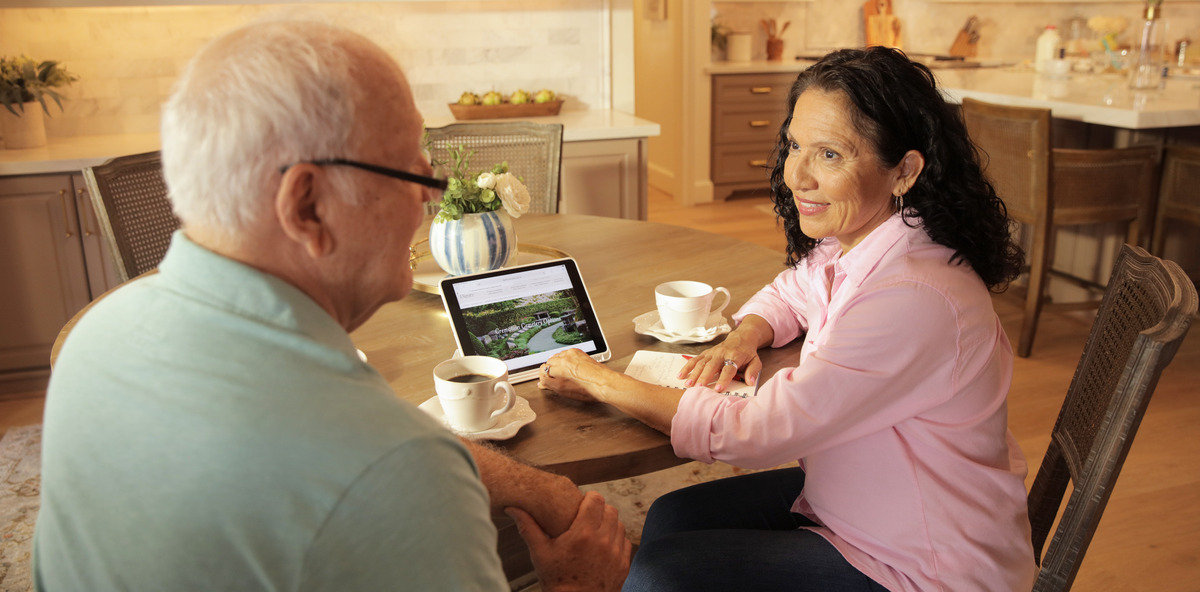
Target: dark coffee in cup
{"x": 470, "y": 378}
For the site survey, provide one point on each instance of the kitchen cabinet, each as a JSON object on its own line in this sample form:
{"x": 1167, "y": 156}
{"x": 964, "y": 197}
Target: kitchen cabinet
{"x": 52, "y": 261}
{"x": 605, "y": 178}
{"x": 747, "y": 111}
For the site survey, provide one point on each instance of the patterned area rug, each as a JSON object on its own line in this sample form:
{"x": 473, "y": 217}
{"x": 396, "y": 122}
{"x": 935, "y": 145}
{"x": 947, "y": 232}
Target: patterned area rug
{"x": 20, "y": 484}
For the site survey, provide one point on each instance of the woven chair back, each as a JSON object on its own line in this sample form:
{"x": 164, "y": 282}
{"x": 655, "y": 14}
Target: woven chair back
{"x": 1142, "y": 320}
{"x": 533, "y": 152}
{"x": 1117, "y": 185}
{"x": 130, "y": 198}
{"x": 1015, "y": 145}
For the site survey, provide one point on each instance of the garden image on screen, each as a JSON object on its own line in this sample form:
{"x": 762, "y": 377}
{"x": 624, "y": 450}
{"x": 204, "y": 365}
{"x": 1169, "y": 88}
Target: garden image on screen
{"x": 524, "y": 318}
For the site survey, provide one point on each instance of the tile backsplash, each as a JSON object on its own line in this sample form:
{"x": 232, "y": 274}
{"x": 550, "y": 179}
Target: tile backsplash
{"x": 1008, "y": 30}
{"x": 128, "y": 58}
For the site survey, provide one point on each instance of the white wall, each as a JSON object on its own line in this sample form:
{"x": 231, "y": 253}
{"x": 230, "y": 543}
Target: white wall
{"x": 658, "y": 47}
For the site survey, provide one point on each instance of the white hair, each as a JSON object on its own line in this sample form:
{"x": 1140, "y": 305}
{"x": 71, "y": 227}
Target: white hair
{"x": 254, "y": 100}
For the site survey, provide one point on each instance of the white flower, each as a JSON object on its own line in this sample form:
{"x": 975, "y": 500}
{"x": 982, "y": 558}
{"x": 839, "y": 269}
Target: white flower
{"x": 486, "y": 181}
{"x": 513, "y": 194}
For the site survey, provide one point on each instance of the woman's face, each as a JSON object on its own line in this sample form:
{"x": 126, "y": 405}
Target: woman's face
{"x": 840, "y": 187}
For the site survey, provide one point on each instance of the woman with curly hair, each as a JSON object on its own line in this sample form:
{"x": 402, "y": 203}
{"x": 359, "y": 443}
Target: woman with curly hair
{"x": 908, "y": 477}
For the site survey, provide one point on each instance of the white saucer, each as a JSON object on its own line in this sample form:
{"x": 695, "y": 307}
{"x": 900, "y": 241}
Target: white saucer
{"x": 650, "y": 324}
{"x": 506, "y": 426}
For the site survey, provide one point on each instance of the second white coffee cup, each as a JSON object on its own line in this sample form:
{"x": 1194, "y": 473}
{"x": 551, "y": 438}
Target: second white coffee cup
{"x": 684, "y": 306}
{"x": 473, "y": 392}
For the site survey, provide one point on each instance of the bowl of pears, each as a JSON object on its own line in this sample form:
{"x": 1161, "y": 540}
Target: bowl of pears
{"x": 492, "y": 104}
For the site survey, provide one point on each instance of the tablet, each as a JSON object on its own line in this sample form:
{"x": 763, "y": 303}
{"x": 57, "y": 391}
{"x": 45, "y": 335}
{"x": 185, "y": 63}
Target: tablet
{"x": 523, "y": 315}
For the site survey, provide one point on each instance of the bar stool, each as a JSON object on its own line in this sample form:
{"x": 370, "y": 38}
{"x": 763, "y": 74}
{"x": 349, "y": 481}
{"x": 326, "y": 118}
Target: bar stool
{"x": 1178, "y": 195}
{"x": 1051, "y": 188}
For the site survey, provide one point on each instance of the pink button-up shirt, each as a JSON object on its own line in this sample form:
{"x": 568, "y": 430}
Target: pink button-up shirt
{"x": 896, "y": 411}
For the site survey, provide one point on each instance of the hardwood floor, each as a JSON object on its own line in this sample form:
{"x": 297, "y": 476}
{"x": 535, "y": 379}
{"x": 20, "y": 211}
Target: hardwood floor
{"x": 1149, "y": 538}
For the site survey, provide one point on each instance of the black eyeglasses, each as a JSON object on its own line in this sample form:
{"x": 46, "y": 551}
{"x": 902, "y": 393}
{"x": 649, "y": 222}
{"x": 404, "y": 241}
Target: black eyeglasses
{"x": 434, "y": 182}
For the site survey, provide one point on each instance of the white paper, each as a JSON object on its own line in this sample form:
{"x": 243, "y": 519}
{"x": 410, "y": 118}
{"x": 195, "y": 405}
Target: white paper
{"x": 662, "y": 368}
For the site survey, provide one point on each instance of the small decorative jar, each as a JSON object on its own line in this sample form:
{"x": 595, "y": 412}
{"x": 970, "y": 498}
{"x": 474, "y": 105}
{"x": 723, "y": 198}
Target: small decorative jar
{"x": 474, "y": 243}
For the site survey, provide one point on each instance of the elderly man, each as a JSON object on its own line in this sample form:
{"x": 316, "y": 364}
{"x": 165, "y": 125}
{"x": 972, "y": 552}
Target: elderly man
{"x": 211, "y": 427}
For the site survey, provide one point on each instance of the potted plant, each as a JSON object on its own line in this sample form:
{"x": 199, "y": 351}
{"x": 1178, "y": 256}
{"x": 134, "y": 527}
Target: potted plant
{"x": 473, "y": 230}
{"x": 23, "y": 81}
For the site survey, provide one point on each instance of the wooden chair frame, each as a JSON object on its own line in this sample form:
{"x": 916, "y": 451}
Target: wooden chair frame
{"x": 135, "y": 216}
{"x": 1050, "y": 188}
{"x": 1143, "y": 318}
{"x": 1178, "y": 194}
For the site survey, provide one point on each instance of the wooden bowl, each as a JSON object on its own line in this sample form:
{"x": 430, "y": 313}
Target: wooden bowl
{"x": 504, "y": 110}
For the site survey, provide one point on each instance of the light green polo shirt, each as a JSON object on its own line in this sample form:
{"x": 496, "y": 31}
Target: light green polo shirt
{"x": 210, "y": 427}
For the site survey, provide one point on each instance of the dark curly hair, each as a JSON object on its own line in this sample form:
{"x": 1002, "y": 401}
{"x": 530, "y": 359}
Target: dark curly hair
{"x": 897, "y": 108}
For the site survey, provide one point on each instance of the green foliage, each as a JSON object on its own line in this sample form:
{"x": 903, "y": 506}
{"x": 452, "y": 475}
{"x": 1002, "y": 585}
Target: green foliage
{"x": 23, "y": 80}
{"x": 464, "y": 195}
{"x": 720, "y": 35}
{"x": 476, "y": 344}
{"x": 481, "y": 320}
{"x": 566, "y": 338}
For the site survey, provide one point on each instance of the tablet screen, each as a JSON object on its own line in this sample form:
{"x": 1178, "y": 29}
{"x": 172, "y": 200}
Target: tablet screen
{"x": 523, "y": 315}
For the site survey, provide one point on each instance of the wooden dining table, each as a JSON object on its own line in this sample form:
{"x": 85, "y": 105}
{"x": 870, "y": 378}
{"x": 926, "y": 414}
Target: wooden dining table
{"x": 621, "y": 262}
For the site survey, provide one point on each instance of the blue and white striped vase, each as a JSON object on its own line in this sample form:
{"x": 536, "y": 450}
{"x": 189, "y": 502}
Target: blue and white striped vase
{"x": 477, "y": 242}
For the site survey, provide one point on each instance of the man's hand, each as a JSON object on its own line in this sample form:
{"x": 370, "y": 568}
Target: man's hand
{"x": 592, "y": 555}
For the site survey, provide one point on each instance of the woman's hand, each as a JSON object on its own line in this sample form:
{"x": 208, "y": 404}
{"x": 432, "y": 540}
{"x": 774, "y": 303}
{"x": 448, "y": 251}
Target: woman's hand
{"x": 719, "y": 364}
{"x": 574, "y": 374}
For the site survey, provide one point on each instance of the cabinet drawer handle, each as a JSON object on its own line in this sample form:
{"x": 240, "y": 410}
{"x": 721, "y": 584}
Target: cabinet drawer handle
{"x": 757, "y": 163}
{"x": 760, "y": 122}
{"x": 761, "y": 90}
{"x": 62, "y": 198}
{"x": 79, "y": 198}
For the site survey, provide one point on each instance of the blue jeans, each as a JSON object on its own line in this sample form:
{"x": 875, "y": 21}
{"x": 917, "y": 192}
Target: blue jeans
{"x": 738, "y": 534}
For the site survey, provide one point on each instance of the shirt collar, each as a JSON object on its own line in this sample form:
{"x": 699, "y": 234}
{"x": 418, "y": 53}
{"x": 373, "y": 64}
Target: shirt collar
{"x": 202, "y": 274}
{"x": 866, "y": 255}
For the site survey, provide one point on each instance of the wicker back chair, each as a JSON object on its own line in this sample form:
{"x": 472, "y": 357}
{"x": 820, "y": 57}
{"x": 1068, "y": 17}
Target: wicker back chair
{"x": 1143, "y": 318}
{"x": 1047, "y": 189}
{"x": 533, "y": 152}
{"x": 1178, "y": 195}
{"x": 130, "y": 198}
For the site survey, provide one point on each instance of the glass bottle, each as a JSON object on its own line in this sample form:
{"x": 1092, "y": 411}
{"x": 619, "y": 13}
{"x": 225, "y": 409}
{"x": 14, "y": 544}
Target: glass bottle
{"x": 1147, "y": 70}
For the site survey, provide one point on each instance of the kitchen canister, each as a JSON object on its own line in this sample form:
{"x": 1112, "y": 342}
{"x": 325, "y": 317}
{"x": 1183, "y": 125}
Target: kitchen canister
{"x": 738, "y": 47}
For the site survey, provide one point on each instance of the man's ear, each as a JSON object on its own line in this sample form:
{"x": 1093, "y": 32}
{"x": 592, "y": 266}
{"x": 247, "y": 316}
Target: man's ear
{"x": 298, "y": 208}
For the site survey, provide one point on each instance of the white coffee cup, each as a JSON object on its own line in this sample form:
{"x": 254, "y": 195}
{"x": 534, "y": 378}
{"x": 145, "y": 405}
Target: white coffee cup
{"x": 469, "y": 389}
{"x": 684, "y": 306}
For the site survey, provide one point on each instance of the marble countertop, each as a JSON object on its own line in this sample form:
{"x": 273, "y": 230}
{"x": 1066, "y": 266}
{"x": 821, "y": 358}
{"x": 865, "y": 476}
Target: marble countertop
{"x": 70, "y": 155}
{"x": 1104, "y": 99}
{"x": 584, "y": 126}
{"x": 758, "y": 67}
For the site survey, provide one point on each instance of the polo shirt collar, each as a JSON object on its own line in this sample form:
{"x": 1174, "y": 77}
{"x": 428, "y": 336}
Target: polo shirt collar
{"x": 205, "y": 275}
